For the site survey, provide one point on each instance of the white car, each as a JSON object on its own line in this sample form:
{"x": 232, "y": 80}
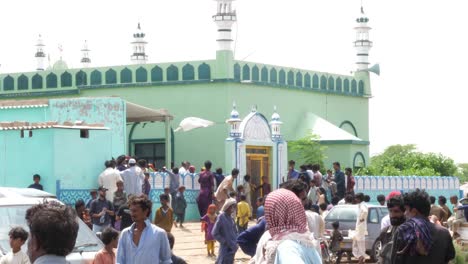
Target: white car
{"x": 13, "y": 205}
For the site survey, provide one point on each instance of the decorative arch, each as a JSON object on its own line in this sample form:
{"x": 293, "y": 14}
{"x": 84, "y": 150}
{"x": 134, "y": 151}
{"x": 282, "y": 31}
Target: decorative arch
{"x": 8, "y": 83}
{"x": 359, "y": 158}
{"x": 96, "y": 78}
{"x": 339, "y": 84}
{"x": 361, "y": 87}
{"x": 255, "y": 127}
{"x": 346, "y": 86}
{"x": 23, "y": 82}
{"x": 66, "y": 79}
{"x": 81, "y": 78}
{"x": 273, "y": 75}
{"x": 307, "y": 82}
{"x": 299, "y": 79}
{"x": 172, "y": 73}
{"x": 315, "y": 81}
{"x": 141, "y": 75}
{"x": 353, "y": 86}
{"x": 255, "y": 73}
{"x": 264, "y": 74}
{"x": 290, "y": 77}
{"x": 126, "y": 75}
{"x": 331, "y": 83}
{"x": 111, "y": 76}
{"x": 204, "y": 72}
{"x": 37, "y": 81}
{"x": 350, "y": 124}
{"x": 237, "y": 72}
{"x": 245, "y": 72}
{"x": 51, "y": 80}
{"x": 188, "y": 72}
{"x": 156, "y": 74}
{"x": 282, "y": 77}
{"x": 323, "y": 82}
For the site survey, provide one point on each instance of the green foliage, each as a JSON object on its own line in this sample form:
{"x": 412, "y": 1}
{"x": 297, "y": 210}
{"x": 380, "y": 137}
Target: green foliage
{"x": 461, "y": 257}
{"x": 462, "y": 172}
{"x": 404, "y": 160}
{"x": 308, "y": 149}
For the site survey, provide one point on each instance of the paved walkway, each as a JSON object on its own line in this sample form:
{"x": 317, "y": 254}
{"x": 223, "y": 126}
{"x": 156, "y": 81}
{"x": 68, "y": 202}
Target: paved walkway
{"x": 190, "y": 245}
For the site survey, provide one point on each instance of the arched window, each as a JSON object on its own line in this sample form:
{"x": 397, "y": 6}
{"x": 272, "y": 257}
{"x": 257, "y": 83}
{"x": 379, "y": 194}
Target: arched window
{"x": 282, "y": 77}
{"x": 51, "y": 80}
{"x": 246, "y": 72}
{"x": 353, "y": 86}
{"x": 290, "y": 78}
{"x": 126, "y": 75}
{"x": 188, "y": 72}
{"x": 237, "y": 72}
{"x": 346, "y": 86}
{"x": 361, "y": 87}
{"x": 141, "y": 75}
{"x": 156, "y": 74}
{"x": 331, "y": 83}
{"x": 338, "y": 85}
{"x": 264, "y": 76}
{"x": 111, "y": 76}
{"x": 323, "y": 83}
{"x": 96, "y": 77}
{"x": 255, "y": 73}
{"x": 23, "y": 82}
{"x": 273, "y": 76}
{"x": 172, "y": 73}
{"x": 81, "y": 78}
{"x": 204, "y": 72}
{"x": 8, "y": 83}
{"x": 299, "y": 79}
{"x": 315, "y": 82}
{"x": 66, "y": 79}
{"x": 359, "y": 161}
{"x": 307, "y": 82}
{"x": 37, "y": 81}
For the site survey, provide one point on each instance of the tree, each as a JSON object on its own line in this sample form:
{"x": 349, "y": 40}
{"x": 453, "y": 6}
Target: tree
{"x": 308, "y": 149}
{"x": 404, "y": 160}
{"x": 462, "y": 172}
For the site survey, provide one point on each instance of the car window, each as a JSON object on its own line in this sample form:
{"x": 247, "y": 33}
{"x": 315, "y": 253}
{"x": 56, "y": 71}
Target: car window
{"x": 11, "y": 216}
{"x": 373, "y": 216}
{"x": 383, "y": 213}
{"x": 342, "y": 214}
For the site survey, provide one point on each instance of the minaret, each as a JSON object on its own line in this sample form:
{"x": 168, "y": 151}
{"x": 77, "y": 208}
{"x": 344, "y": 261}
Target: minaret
{"x": 362, "y": 43}
{"x": 234, "y": 121}
{"x": 40, "y": 55}
{"x": 224, "y": 19}
{"x": 275, "y": 124}
{"x": 85, "y": 60}
{"x": 139, "y": 54}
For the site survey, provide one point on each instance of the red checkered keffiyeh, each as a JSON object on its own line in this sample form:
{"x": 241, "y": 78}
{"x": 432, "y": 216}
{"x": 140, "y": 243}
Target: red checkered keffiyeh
{"x": 284, "y": 213}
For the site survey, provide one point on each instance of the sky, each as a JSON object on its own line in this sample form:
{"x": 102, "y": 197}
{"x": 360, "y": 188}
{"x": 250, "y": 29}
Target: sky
{"x": 420, "y": 97}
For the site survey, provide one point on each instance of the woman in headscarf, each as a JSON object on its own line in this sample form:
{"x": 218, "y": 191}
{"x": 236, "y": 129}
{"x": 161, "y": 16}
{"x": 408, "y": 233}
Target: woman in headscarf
{"x": 290, "y": 239}
{"x": 224, "y": 231}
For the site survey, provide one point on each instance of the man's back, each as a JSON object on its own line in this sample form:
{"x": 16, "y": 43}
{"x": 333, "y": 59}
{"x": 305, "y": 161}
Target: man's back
{"x": 441, "y": 252}
{"x": 437, "y": 211}
{"x": 133, "y": 180}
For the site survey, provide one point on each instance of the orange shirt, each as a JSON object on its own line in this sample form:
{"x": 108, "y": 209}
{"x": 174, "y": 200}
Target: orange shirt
{"x": 104, "y": 257}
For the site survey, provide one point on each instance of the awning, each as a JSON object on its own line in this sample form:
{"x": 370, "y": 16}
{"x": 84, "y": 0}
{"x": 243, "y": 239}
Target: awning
{"x": 138, "y": 113}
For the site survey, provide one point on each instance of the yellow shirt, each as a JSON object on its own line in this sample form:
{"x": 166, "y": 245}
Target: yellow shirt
{"x": 243, "y": 213}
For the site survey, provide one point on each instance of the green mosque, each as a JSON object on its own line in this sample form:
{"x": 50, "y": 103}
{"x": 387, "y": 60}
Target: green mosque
{"x": 255, "y": 108}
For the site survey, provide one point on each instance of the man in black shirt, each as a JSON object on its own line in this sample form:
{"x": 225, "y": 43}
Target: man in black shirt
{"x": 101, "y": 211}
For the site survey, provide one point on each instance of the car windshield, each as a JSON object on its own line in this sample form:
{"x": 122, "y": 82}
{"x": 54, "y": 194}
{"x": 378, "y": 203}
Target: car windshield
{"x": 11, "y": 216}
{"x": 345, "y": 213}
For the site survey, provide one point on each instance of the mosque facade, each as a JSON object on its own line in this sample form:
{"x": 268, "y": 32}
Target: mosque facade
{"x": 255, "y": 108}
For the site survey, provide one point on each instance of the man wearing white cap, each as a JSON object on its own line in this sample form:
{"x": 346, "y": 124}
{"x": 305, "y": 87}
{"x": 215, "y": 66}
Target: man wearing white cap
{"x": 133, "y": 178}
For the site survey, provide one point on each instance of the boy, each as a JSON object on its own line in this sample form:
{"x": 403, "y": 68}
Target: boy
{"x": 260, "y": 209}
{"x": 175, "y": 259}
{"x": 120, "y": 196}
{"x": 312, "y": 195}
{"x": 93, "y": 194}
{"x": 17, "y": 238}
{"x": 179, "y": 207}
{"x": 240, "y": 191}
{"x": 146, "y": 187}
{"x": 336, "y": 238}
{"x": 265, "y": 187}
{"x": 243, "y": 214}
{"x": 164, "y": 215}
{"x": 167, "y": 191}
{"x": 36, "y": 184}
{"x": 110, "y": 238}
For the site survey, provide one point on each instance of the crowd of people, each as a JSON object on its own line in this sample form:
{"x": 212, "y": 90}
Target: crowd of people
{"x": 290, "y": 221}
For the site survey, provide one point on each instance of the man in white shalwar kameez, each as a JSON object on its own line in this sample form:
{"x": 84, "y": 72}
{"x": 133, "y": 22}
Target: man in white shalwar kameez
{"x": 359, "y": 239}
